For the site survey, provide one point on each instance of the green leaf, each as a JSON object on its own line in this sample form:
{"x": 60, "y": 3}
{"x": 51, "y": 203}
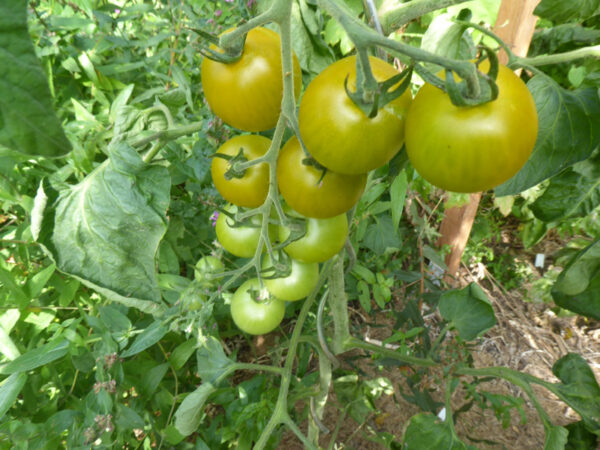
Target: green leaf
{"x": 427, "y": 431}
{"x": 567, "y": 11}
{"x": 151, "y": 380}
{"x": 114, "y": 319}
{"x": 107, "y": 229}
{"x": 182, "y": 353}
{"x": 189, "y": 413}
{"x": 27, "y": 120}
{"x": 572, "y": 193}
{"x": 382, "y": 235}
{"x": 568, "y": 132}
{"x": 468, "y": 310}
{"x": 580, "y": 438}
{"x": 397, "y": 196}
{"x": 579, "y": 389}
{"x": 9, "y": 390}
{"x": 314, "y": 55}
{"x": 37, "y": 282}
{"x": 556, "y": 437}
{"x": 211, "y": 359}
{"x": 7, "y": 346}
{"x": 446, "y": 38}
{"x": 146, "y": 339}
{"x": 578, "y": 285}
{"x": 38, "y": 357}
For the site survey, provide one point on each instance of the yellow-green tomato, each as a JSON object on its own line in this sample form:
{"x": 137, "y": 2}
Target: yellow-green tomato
{"x": 247, "y": 93}
{"x": 337, "y": 133}
{"x": 254, "y": 310}
{"x": 473, "y": 148}
{"x": 324, "y": 239}
{"x": 241, "y": 240}
{"x": 252, "y": 188}
{"x": 300, "y": 282}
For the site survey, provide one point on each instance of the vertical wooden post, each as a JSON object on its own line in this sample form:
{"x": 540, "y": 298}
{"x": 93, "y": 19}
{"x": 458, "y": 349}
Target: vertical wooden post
{"x": 515, "y": 25}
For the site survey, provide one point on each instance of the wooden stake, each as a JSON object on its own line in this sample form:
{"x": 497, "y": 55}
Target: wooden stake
{"x": 515, "y": 25}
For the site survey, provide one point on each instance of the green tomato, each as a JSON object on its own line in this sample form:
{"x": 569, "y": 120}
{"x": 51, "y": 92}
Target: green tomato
{"x": 300, "y": 282}
{"x": 240, "y": 241}
{"x": 254, "y": 310}
{"x": 324, "y": 239}
{"x": 207, "y": 266}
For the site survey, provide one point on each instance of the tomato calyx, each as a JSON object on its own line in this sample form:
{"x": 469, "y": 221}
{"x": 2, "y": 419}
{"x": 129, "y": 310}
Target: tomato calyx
{"x": 247, "y": 223}
{"x": 459, "y": 92}
{"x": 371, "y": 102}
{"x": 234, "y": 170}
{"x": 297, "y": 229}
{"x": 280, "y": 266}
{"x": 228, "y": 55}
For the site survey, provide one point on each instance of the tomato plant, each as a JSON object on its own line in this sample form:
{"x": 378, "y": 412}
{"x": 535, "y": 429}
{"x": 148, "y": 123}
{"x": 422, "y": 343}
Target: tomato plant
{"x": 247, "y": 93}
{"x": 239, "y": 240}
{"x": 297, "y": 284}
{"x": 312, "y": 192}
{"x": 337, "y": 133}
{"x": 471, "y": 149}
{"x": 254, "y": 310}
{"x": 323, "y": 238}
{"x": 248, "y": 189}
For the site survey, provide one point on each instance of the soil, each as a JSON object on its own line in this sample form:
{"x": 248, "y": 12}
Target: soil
{"x": 528, "y": 337}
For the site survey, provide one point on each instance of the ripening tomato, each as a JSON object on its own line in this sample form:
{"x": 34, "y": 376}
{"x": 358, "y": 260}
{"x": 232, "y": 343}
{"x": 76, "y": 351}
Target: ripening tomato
{"x": 254, "y": 310}
{"x": 241, "y": 240}
{"x": 308, "y": 192}
{"x": 252, "y": 188}
{"x": 247, "y": 93}
{"x": 472, "y": 148}
{"x": 207, "y": 266}
{"x": 324, "y": 238}
{"x": 298, "y": 284}
{"x": 337, "y": 133}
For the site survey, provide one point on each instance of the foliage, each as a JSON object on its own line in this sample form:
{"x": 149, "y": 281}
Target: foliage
{"x": 113, "y": 334}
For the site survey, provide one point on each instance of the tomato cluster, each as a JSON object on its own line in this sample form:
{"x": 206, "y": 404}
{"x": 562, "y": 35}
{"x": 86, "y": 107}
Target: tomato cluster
{"x": 321, "y": 174}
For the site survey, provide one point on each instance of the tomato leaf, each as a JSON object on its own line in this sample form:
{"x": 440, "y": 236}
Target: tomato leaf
{"x": 427, "y": 431}
{"x": 562, "y": 11}
{"x": 105, "y": 230}
{"x": 578, "y": 285}
{"x": 579, "y": 389}
{"x": 568, "y": 132}
{"x": 556, "y": 437}
{"x": 189, "y": 413}
{"x": 27, "y": 120}
{"x": 211, "y": 359}
{"x": 447, "y": 38}
{"x": 468, "y": 310}
{"x": 574, "y": 192}
{"x": 580, "y": 436}
{"x": 382, "y": 235}
{"x": 150, "y": 336}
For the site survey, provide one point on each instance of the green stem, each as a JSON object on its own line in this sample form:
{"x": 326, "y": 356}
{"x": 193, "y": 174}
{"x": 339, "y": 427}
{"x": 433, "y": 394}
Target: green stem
{"x": 363, "y": 36}
{"x": 393, "y": 14}
{"x": 542, "y": 60}
{"x": 389, "y": 353}
{"x": 280, "y": 414}
{"x": 317, "y": 403}
{"x": 169, "y": 135}
{"x": 338, "y": 302}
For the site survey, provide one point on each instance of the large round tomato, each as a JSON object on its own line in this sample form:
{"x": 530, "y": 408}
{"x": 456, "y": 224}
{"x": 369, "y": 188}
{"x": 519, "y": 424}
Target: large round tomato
{"x": 474, "y": 148}
{"x": 308, "y": 192}
{"x": 252, "y": 188}
{"x": 241, "y": 240}
{"x": 324, "y": 238}
{"x": 254, "y": 310}
{"x": 247, "y": 93}
{"x": 300, "y": 282}
{"x": 337, "y": 133}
